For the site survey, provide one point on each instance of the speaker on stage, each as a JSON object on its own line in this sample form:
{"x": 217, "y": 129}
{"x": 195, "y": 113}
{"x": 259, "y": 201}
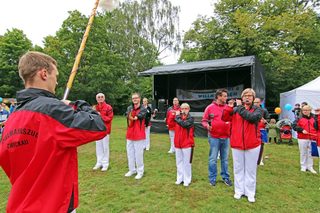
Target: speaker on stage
{"x": 161, "y": 105}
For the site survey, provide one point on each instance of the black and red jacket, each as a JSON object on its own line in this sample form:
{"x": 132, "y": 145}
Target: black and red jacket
{"x": 305, "y": 123}
{"x": 184, "y": 128}
{"x": 170, "y": 116}
{"x": 245, "y": 133}
{"x": 106, "y": 113}
{"x": 136, "y": 129}
{"x": 212, "y": 116}
{"x": 38, "y": 151}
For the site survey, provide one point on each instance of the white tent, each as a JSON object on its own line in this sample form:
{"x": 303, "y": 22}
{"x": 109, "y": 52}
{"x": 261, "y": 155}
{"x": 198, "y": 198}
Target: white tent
{"x": 310, "y": 93}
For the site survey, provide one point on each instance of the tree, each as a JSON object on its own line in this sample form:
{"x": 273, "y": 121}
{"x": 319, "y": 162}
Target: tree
{"x": 157, "y": 21}
{"x": 13, "y": 44}
{"x": 112, "y": 57}
{"x": 284, "y": 35}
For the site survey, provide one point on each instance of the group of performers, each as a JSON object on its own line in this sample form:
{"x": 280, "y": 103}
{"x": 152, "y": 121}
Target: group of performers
{"x": 38, "y": 148}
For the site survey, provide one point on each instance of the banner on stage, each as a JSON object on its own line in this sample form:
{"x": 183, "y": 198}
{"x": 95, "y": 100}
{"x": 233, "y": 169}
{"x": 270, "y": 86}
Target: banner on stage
{"x": 191, "y": 95}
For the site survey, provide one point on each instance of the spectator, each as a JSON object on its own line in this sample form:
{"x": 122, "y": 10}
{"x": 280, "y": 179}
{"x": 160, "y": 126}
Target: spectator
{"x": 306, "y": 134}
{"x": 218, "y": 136}
{"x": 273, "y": 134}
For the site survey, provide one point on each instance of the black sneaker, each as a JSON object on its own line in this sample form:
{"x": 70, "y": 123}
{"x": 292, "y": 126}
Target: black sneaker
{"x": 227, "y": 182}
{"x": 213, "y": 183}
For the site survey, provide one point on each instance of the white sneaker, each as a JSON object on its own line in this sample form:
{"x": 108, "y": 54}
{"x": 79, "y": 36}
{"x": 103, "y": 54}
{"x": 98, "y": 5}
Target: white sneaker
{"x": 138, "y": 176}
{"x": 170, "y": 151}
{"x": 312, "y": 171}
{"x": 237, "y": 196}
{"x": 129, "y": 174}
{"x": 97, "y": 166}
{"x": 178, "y": 182}
{"x": 261, "y": 163}
{"x": 186, "y": 184}
{"x": 104, "y": 168}
{"x": 303, "y": 170}
{"x": 251, "y": 199}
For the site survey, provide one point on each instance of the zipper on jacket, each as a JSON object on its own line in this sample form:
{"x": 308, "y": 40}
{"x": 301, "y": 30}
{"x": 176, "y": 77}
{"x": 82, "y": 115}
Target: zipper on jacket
{"x": 244, "y": 146}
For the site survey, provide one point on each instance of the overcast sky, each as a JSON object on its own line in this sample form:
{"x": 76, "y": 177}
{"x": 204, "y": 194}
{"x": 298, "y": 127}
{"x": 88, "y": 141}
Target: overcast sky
{"x": 40, "y": 18}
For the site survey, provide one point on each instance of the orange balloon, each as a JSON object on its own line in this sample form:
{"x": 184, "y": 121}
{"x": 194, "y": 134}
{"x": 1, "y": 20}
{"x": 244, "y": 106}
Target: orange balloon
{"x": 277, "y": 110}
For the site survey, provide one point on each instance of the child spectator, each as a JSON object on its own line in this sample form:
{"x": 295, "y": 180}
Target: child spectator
{"x": 272, "y": 130}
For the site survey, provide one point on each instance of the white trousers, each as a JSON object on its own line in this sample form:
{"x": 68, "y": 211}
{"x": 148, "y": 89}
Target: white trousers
{"x": 171, "y": 135}
{"x": 102, "y": 151}
{"x": 306, "y": 161}
{"x": 183, "y": 165}
{"x": 245, "y": 171}
{"x": 135, "y": 155}
{"x": 147, "y": 131}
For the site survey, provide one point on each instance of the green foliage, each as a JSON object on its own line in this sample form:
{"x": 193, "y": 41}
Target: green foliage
{"x": 281, "y": 187}
{"x": 13, "y": 44}
{"x": 121, "y": 43}
{"x": 284, "y": 35}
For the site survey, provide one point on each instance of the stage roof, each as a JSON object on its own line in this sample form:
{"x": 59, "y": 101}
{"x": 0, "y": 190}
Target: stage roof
{"x": 201, "y": 66}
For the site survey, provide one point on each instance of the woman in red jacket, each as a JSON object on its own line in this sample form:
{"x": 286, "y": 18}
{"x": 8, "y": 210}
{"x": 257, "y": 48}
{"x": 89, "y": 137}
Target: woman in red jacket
{"x": 304, "y": 125}
{"x": 184, "y": 143}
{"x": 245, "y": 143}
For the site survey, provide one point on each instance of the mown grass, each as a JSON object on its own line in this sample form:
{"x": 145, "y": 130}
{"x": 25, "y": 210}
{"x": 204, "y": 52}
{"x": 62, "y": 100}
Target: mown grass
{"x": 281, "y": 187}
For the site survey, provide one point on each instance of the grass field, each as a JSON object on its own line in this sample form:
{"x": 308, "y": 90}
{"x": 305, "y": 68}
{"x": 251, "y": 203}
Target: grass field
{"x": 281, "y": 187}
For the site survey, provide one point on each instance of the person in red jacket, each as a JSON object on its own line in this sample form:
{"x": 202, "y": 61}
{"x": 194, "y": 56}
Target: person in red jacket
{"x": 218, "y": 135}
{"x": 171, "y": 114}
{"x": 245, "y": 143}
{"x": 38, "y": 149}
{"x": 184, "y": 143}
{"x": 304, "y": 125}
{"x": 102, "y": 146}
{"x": 136, "y": 136}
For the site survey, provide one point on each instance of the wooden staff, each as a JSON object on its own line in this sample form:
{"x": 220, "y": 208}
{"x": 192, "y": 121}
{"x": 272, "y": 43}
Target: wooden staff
{"x": 78, "y": 57}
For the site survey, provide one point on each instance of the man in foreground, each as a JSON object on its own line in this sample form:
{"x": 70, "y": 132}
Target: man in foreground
{"x": 38, "y": 150}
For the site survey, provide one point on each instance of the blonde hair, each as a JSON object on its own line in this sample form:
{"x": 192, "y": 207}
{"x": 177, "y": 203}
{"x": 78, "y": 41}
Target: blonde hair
{"x": 248, "y": 90}
{"x": 185, "y": 105}
{"x": 308, "y": 107}
{"x": 33, "y": 61}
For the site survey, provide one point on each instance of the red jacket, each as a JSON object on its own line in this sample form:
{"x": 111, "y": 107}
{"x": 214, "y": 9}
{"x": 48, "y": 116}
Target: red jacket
{"x": 184, "y": 128}
{"x": 136, "y": 129}
{"x": 106, "y": 114}
{"x": 245, "y": 133}
{"x": 38, "y": 151}
{"x": 171, "y": 114}
{"x": 212, "y": 116}
{"x": 305, "y": 123}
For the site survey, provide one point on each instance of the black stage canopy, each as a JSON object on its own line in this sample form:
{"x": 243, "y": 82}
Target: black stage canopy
{"x": 195, "y": 82}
